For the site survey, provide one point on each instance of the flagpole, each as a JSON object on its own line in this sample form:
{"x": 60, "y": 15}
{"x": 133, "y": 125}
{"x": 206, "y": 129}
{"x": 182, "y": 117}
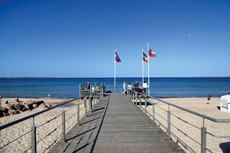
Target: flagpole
{"x": 142, "y": 67}
{"x": 114, "y": 72}
{"x": 148, "y": 69}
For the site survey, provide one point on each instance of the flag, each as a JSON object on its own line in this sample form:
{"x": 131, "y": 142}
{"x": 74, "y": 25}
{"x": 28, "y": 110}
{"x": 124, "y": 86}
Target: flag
{"x": 145, "y": 58}
{"x": 151, "y": 53}
{"x": 117, "y": 57}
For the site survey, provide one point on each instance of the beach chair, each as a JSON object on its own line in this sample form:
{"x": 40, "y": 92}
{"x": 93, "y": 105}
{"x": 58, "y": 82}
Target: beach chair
{"x": 225, "y": 103}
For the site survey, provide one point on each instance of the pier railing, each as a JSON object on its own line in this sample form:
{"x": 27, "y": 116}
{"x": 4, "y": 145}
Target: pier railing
{"x": 60, "y": 121}
{"x": 162, "y": 116}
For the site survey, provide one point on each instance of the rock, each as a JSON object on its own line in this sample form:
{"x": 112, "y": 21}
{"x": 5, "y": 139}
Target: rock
{"x": 3, "y": 109}
{"x": 52, "y": 104}
{"x": 26, "y": 106}
{"x": 39, "y": 102}
{"x": 24, "y": 109}
{"x": 29, "y": 102}
{"x": 48, "y": 105}
{"x": 42, "y": 106}
{"x": 11, "y": 112}
{"x": 18, "y": 106}
{"x": 9, "y": 106}
{"x": 35, "y": 106}
{"x": 1, "y": 114}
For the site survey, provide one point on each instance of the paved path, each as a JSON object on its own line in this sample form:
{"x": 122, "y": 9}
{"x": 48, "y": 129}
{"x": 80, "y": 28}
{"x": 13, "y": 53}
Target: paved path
{"x": 116, "y": 126}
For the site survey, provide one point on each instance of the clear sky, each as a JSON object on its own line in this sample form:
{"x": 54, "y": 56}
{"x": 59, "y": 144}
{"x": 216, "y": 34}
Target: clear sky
{"x": 77, "y": 38}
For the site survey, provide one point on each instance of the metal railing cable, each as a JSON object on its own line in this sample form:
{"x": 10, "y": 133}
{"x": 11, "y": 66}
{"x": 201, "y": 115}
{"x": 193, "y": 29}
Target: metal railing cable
{"x": 35, "y": 114}
{"x": 185, "y": 121}
{"x": 177, "y": 138}
{"x": 15, "y": 139}
{"x": 203, "y": 129}
{"x": 185, "y": 134}
{"x": 195, "y": 113}
{"x": 71, "y": 115}
{"x": 52, "y": 119}
{"x": 176, "y": 127}
{"x": 57, "y": 138}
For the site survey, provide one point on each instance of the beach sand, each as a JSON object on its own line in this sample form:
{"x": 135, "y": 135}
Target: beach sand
{"x": 48, "y": 126}
{"x": 196, "y": 104}
{"x": 217, "y": 145}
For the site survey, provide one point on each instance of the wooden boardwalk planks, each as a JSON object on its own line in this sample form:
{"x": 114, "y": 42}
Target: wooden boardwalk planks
{"x": 116, "y": 126}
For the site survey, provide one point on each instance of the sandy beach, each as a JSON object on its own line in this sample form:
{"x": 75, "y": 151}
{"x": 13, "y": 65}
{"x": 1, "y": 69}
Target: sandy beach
{"x": 198, "y": 105}
{"x": 48, "y": 126}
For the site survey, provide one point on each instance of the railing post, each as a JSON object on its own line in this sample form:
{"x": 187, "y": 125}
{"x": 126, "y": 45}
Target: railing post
{"x": 145, "y": 106}
{"x": 90, "y": 104}
{"x": 80, "y": 90}
{"x": 133, "y": 97}
{"x": 63, "y": 124}
{"x": 153, "y": 113}
{"x": 203, "y": 139}
{"x": 78, "y": 114}
{"x": 102, "y": 91}
{"x": 85, "y": 104}
{"x": 169, "y": 124}
{"x": 33, "y": 138}
{"x": 90, "y": 99}
{"x": 140, "y": 103}
{"x": 94, "y": 102}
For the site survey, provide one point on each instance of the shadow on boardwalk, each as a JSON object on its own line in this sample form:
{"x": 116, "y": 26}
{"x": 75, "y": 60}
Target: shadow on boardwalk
{"x": 115, "y": 125}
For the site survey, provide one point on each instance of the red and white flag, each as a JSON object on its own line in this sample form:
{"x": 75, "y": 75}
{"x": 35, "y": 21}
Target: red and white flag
{"x": 151, "y": 53}
{"x": 145, "y": 58}
{"x": 117, "y": 57}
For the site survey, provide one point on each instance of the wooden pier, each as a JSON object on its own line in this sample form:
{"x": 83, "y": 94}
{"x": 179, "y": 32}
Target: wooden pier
{"x": 116, "y": 126}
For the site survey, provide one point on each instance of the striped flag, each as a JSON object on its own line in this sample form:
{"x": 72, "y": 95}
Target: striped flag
{"x": 145, "y": 58}
{"x": 117, "y": 57}
{"x": 151, "y": 53}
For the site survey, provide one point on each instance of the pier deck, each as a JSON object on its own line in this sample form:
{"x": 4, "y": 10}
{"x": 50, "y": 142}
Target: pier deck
{"x": 116, "y": 126}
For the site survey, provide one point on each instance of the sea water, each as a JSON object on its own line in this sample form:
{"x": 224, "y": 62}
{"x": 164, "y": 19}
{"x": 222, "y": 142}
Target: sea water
{"x": 69, "y": 87}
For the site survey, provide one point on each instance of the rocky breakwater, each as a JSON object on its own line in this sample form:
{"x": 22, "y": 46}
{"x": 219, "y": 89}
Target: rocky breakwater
{"x": 11, "y": 109}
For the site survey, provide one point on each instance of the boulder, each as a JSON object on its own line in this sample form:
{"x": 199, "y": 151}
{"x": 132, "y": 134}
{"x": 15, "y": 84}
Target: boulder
{"x": 48, "y": 105}
{"x": 9, "y": 106}
{"x": 38, "y": 102}
{"x": 11, "y": 112}
{"x": 42, "y": 106}
{"x": 52, "y": 105}
{"x": 26, "y": 105}
{"x": 29, "y": 102}
{"x": 35, "y": 106}
{"x": 1, "y": 114}
{"x": 18, "y": 106}
{"x": 3, "y": 111}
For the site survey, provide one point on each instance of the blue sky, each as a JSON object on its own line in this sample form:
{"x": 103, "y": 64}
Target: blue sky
{"x": 77, "y": 38}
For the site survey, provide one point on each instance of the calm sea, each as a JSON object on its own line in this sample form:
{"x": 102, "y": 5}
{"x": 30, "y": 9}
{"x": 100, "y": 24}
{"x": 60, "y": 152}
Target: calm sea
{"x": 69, "y": 87}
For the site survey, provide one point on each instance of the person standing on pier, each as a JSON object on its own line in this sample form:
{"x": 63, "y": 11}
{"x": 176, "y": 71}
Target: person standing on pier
{"x": 124, "y": 88}
{"x": 136, "y": 87}
{"x": 88, "y": 85}
{"x": 144, "y": 86}
{"x": 129, "y": 88}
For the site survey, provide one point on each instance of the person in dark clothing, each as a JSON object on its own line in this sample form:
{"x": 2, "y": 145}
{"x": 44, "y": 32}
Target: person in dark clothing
{"x": 88, "y": 85}
{"x": 136, "y": 87}
{"x": 209, "y": 99}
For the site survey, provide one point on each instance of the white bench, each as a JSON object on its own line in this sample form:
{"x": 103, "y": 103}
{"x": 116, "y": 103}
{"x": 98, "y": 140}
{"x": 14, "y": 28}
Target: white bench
{"x": 225, "y": 103}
